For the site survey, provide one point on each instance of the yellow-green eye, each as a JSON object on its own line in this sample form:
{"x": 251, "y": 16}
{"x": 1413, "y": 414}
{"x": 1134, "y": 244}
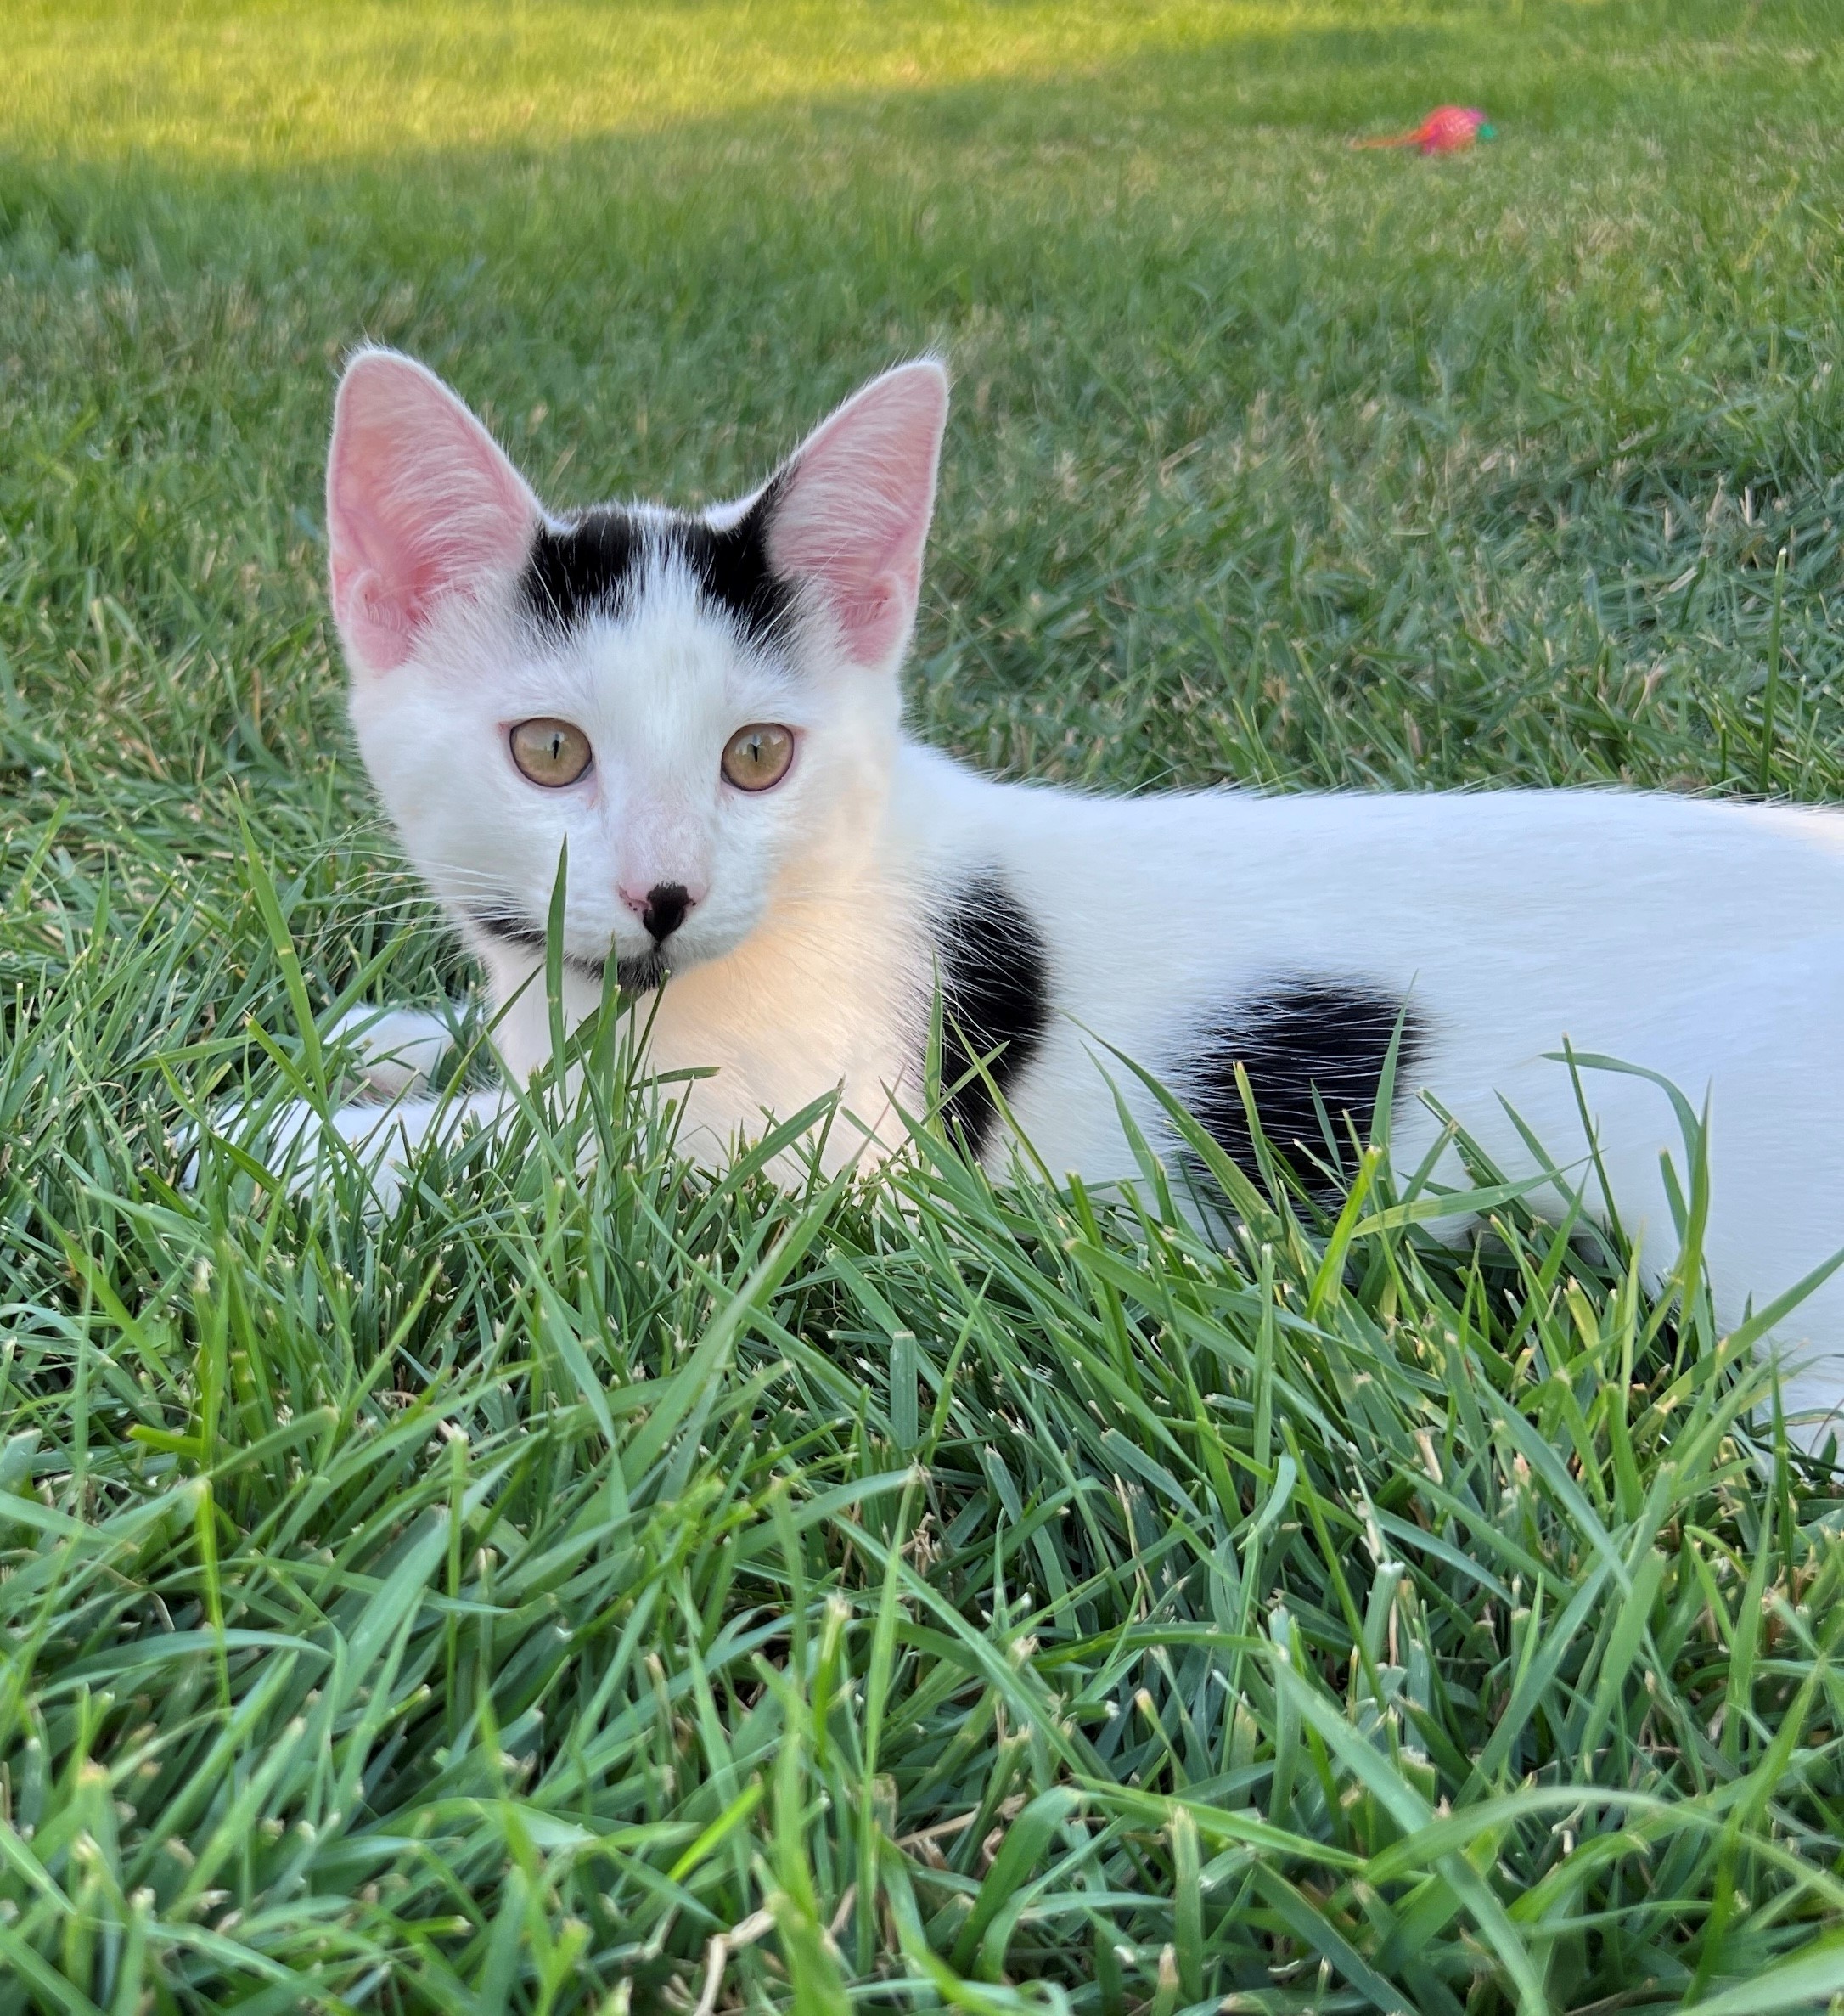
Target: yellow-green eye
{"x": 552, "y": 753}
{"x": 757, "y": 757}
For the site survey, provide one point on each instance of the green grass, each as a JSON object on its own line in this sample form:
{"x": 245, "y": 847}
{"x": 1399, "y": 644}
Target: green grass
{"x": 597, "y": 1587}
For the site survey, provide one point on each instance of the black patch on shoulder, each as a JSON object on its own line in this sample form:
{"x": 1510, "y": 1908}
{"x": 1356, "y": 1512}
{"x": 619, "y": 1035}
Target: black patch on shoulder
{"x": 583, "y": 569}
{"x": 1328, "y": 1037}
{"x": 995, "y": 982}
{"x": 594, "y": 566}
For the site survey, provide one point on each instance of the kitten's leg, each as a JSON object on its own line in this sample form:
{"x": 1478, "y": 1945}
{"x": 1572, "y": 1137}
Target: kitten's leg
{"x": 386, "y": 1139}
{"x": 396, "y": 1049}
{"x": 393, "y": 1052}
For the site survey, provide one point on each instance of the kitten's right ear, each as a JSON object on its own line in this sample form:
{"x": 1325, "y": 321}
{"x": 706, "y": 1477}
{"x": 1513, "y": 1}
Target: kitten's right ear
{"x": 851, "y": 508}
{"x": 421, "y": 504}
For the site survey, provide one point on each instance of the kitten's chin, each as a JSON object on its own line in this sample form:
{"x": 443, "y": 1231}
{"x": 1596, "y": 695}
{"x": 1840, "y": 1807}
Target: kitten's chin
{"x": 643, "y": 974}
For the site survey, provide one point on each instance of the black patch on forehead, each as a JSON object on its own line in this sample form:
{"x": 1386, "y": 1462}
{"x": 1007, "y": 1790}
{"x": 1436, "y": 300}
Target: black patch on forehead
{"x": 1305, "y": 1045}
{"x": 995, "y": 981}
{"x": 732, "y": 567}
{"x": 583, "y": 569}
{"x": 596, "y": 565}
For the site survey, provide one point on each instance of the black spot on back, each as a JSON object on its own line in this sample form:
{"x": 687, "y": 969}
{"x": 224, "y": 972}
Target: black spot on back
{"x": 1327, "y": 1037}
{"x": 594, "y": 566}
{"x": 995, "y": 982}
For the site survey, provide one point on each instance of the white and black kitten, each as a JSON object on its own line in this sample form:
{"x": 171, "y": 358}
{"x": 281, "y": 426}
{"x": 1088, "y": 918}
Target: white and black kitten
{"x": 704, "y": 709}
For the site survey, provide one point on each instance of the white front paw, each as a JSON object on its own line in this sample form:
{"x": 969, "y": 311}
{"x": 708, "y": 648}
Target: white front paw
{"x": 292, "y": 1142}
{"x": 395, "y": 1049}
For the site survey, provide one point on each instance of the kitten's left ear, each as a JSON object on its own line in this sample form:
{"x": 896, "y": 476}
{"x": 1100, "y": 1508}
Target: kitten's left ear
{"x": 850, "y": 508}
{"x": 421, "y": 504}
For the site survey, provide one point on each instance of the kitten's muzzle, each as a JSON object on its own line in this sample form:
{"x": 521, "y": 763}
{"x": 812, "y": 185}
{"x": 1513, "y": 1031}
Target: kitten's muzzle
{"x": 662, "y": 909}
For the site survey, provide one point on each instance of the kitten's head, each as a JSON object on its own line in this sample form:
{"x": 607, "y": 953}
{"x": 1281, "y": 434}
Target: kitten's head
{"x": 702, "y": 708}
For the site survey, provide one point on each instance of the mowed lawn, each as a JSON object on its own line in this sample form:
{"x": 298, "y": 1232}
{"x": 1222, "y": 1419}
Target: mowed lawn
{"x": 595, "y": 1586}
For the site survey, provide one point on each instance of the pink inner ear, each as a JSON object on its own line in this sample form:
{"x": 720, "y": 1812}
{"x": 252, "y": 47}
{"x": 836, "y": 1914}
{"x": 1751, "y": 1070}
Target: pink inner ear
{"x": 852, "y": 513}
{"x": 421, "y": 504}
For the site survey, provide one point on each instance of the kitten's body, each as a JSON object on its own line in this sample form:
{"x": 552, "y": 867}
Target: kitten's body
{"x": 1301, "y": 936}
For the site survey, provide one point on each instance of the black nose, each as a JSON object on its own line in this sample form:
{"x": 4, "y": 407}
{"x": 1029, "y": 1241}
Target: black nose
{"x": 667, "y": 905}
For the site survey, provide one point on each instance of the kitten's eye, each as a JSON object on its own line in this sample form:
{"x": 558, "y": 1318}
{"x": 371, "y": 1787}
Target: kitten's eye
{"x": 552, "y": 753}
{"x": 757, "y": 757}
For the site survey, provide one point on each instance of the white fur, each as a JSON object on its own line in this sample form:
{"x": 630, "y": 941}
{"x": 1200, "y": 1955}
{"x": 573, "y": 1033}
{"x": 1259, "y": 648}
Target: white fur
{"x": 1699, "y": 940}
